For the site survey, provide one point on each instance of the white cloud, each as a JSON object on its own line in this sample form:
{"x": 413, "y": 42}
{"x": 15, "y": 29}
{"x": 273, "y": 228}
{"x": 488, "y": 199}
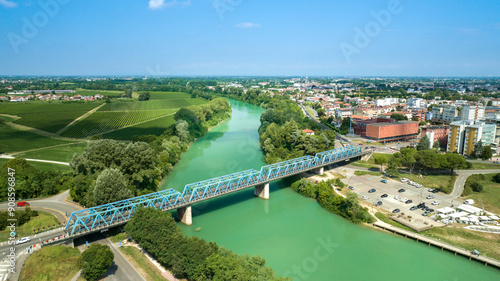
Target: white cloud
{"x": 247, "y": 25}
{"x": 159, "y": 4}
{"x": 8, "y": 4}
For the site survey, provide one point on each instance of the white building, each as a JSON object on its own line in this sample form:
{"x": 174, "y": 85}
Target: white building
{"x": 343, "y": 112}
{"x": 472, "y": 112}
{"x": 415, "y": 102}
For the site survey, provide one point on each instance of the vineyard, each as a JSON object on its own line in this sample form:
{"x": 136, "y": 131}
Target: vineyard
{"x": 152, "y": 104}
{"x": 50, "y": 117}
{"x": 101, "y": 122}
{"x": 153, "y": 127}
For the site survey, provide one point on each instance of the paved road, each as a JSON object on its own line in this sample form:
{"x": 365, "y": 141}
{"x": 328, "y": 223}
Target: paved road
{"x": 121, "y": 269}
{"x": 462, "y": 177}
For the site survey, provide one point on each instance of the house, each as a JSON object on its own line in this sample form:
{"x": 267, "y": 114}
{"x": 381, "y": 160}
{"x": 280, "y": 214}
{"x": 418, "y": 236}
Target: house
{"x": 309, "y": 132}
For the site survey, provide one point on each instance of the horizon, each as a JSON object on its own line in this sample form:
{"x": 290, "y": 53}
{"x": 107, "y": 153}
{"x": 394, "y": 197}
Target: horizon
{"x": 183, "y": 38}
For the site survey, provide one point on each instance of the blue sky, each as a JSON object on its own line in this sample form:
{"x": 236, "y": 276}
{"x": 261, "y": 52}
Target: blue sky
{"x": 243, "y": 37}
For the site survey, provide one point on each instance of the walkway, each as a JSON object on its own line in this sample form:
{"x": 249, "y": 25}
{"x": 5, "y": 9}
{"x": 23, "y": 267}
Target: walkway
{"x": 36, "y": 160}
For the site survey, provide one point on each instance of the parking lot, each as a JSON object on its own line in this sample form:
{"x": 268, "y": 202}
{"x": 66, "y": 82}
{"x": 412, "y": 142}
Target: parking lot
{"x": 362, "y": 185}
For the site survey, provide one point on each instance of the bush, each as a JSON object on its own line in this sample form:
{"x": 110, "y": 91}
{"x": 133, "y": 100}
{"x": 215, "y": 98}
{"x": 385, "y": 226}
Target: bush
{"x": 496, "y": 178}
{"x": 477, "y": 187}
{"x": 467, "y": 191}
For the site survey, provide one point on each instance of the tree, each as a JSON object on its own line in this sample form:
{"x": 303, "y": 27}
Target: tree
{"x": 455, "y": 161}
{"x": 144, "y": 96}
{"x": 110, "y": 186}
{"x": 380, "y": 160}
{"x": 487, "y": 153}
{"x": 436, "y": 145}
{"x": 496, "y": 178}
{"x": 181, "y": 130}
{"x": 95, "y": 261}
{"x": 424, "y": 143}
{"x": 398, "y": 117}
{"x": 422, "y": 123}
{"x": 477, "y": 187}
{"x": 490, "y": 103}
{"x": 477, "y": 151}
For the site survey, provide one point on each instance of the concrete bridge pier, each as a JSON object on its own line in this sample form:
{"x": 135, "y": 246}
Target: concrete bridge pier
{"x": 320, "y": 170}
{"x": 184, "y": 214}
{"x": 262, "y": 191}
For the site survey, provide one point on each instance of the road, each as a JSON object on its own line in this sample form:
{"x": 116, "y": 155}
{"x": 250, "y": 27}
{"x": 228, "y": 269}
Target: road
{"x": 462, "y": 177}
{"x": 36, "y": 160}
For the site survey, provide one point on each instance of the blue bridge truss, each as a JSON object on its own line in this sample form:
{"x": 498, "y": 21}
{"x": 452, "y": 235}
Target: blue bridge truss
{"x": 113, "y": 214}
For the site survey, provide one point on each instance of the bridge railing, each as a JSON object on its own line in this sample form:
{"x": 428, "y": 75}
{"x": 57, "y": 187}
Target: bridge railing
{"x": 118, "y": 212}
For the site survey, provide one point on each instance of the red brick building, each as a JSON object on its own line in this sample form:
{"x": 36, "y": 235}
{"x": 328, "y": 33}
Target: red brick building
{"x": 439, "y": 133}
{"x": 360, "y": 124}
{"x": 385, "y": 132}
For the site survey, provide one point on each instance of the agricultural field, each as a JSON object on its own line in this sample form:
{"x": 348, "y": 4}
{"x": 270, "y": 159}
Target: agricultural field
{"x": 13, "y": 140}
{"x": 7, "y": 118}
{"x": 62, "y": 153}
{"x": 47, "y": 116}
{"x": 47, "y": 167}
{"x": 84, "y": 92}
{"x": 105, "y": 121}
{"x": 152, "y": 104}
{"x": 153, "y": 127}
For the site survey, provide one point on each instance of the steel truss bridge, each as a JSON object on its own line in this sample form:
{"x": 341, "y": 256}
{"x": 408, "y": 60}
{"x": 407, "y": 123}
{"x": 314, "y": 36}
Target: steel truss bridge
{"x": 113, "y": 214}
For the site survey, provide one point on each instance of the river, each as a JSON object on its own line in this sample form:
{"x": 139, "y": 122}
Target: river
{"x": 294, "y": 234}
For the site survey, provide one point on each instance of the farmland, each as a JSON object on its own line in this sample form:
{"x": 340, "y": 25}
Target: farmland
{"x": 13, "y": 140}
{"x": 47, "y": 116}
{"x": 152, "y": 104}
{"x": 63, "y": 153}
{"x": 153, "y": 127}
{"x": 101, "y": 122}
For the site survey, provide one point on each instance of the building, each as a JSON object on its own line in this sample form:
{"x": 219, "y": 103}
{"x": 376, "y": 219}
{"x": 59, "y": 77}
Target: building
{"x": 472, "y": 112}
{"x": 478, "y": 132}
{"x": 415, "y": 102}
{"x": 343, "y": 112}
{"x": 436, "y": 134}
{"x": 386, "y": 132}
{"x": 360, "y": 122}
{"x": 445, "y": 114}
{"x": 464, "y": 135}
{"x": 308, "y": 132}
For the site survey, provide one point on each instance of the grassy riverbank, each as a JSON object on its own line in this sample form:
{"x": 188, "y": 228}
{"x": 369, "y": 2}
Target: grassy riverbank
{"x": 54, "y": 263}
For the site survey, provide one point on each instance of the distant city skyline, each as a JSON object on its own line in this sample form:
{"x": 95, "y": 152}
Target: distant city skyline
{"x": 250, "y": 38}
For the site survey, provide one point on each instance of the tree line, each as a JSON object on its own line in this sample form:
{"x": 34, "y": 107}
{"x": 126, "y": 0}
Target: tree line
{"x": 192, "y": 258}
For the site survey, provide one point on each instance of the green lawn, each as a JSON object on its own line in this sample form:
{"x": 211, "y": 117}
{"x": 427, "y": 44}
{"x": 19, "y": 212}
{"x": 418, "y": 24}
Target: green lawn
{"x": 362, "y": 173}
{"x": 60, "y": 153}
{"x": 154, "y": 127}
{"x": 168, "y": 95}
{"x": 42, "y": 220}
{"x": 484, "y": 166}
{"x": 54, "y": 263}
{"x": 142, "y": 264}
{"x": 433, "y": 181}
{"x": 13, "y": 140}
{"x": 365, "y": 164}
{"x": 490, "y": 194}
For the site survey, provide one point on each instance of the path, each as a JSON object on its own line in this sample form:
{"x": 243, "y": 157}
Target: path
{"x": 462, "y": 178}
{"x": 85, "y": 115}
{"x": 36, "y": 160}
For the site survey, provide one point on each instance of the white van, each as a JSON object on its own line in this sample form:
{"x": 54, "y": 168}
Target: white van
{"x": 469, "y": 202}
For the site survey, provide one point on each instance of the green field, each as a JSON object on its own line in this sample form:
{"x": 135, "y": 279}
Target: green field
{"x": 60, "y": 153}
{"x": 95, "y": 92}
{"x": 101, "y": 122}
{"x": 47, "y": 116}
{"x": 42, "y": 220}
{"x": 484, "y": 166}
{"x": 142, "y": 264}
{"x": 12, "y": 140}
{"x": 154, "y": 127}
{"x": 7, "y": 118}
{"x": 168, "y": 95}
{"x": 490, "y": 195}
{"x": 54, "y": 263}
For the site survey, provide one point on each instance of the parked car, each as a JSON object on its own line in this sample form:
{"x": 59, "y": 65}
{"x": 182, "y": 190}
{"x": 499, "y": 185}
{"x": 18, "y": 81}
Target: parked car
{"x": 404, "y": 180}
{"x": 430, "y": 210}
{"x": 365, "y": 197}
{"x": 404, "y": 200}
{"x": 413, "y": 208}
{"x": 401, "y": 190}
{"x": 378, "y": 203}
{"x": 430, "y": 189}
{"x": 435, "y": 202}
{"x": 351, "y": 187}
{"x": 409, "y": 201}
{"x": 397, "y": 197}
{"x": 430, "y": 196}
{"x": 396, "y": 211}
{"x": 384, "y": 195}
{"x": 22, "y": 203}
{"x": 23, "y": 240}
{"x": 372, "y": 190}
{"x": 384, "y": 181}
{"x": 425, "y": 213}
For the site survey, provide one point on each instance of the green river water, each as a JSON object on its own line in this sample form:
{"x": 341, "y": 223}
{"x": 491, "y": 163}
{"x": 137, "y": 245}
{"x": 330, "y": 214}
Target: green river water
{"x": 294, "y": 234}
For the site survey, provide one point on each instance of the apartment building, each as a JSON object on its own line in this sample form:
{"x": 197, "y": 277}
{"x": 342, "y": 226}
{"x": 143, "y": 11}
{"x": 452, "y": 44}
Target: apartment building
{"x": 464, "y": 135}
{"x": 472, "y": 112}
{"x": 445, "y": 114}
